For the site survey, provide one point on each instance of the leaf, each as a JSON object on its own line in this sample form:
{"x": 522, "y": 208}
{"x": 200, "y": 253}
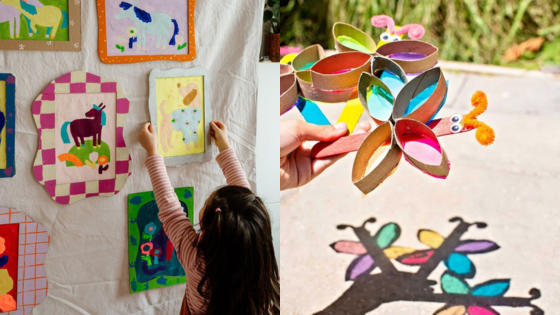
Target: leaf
{"x": 349, "y": 247}
{"x": 417, "y": 258}
{"x": 453, "y": 285}
{"x": 136, "y": 200}
{"x": 361, "y": 265}
{"x": 387, "y": 235}
{"x": 451, "y": 310}
{"x": 395, "y": 252}
{"x": 478, "y": 310}
{"x": 267, "y": 16}
{"x": 460, "y": 264}
{"x": 476, "y": 247}
{"x": 133, "y": 285}
{"x": 430, "y": 238}
{"x": 187, "y": 193}
{"x": 497, "y": 287}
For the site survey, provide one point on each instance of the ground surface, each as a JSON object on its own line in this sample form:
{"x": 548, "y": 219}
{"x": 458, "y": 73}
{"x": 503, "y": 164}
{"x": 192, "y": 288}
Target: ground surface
{"x": 512, "y": 185}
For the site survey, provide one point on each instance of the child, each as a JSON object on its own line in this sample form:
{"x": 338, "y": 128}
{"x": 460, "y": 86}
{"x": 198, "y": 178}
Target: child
{"x": 230, "y": 265}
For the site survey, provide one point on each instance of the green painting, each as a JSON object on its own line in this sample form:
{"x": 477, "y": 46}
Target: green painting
{"x": 41, "y": 20}
{"x": 152, "y": 258}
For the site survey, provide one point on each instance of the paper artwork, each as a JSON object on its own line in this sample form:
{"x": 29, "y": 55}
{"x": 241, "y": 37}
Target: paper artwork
{"x": 82, "y": 154}
{"x": 180, "y": 110}
{"x": 23, "y": 247}
{"x": 146, "y": 30}
{"x": 153, "y": 261}
{"x": 40, "y": 25}
{"x": 7, "y": 124}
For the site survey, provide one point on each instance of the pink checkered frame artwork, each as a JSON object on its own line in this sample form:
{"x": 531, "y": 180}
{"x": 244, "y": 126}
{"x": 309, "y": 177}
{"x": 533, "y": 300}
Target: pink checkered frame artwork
{"x": 32, "y": 284}
{"x": 44, "y": 167}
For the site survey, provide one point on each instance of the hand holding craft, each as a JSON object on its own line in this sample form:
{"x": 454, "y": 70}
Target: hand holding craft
{"x": 219, "y": 134}
{"x": 297, "y": 166}
{"x": 148, "y": 140}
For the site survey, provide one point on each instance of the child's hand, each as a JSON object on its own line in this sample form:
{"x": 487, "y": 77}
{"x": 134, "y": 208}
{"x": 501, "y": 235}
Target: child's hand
{"x": 219, "y": 134}
{"x": 148, "y": 140}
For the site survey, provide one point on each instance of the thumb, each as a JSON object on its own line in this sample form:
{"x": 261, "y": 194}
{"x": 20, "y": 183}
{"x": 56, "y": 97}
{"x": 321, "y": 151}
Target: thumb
{"x": 311, "y": 132}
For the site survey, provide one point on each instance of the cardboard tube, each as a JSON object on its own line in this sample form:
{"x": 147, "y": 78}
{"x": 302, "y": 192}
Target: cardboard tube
{"x": 364, "y": 84}
{"x": 308, "y": 91}
{"x": 341, "y": 71}
{"x": 288, "y": 92}
{"x": 411, "y": 46}
{"x": 413, "y": 128}
{"x": 309, "y": 55}
{"x": 378, "y": 138}
{"x": 427, "y": 110}
{"x": 285, "y": 69}
{"x": 386, "y": 64}
{"x": 343, "y": 29}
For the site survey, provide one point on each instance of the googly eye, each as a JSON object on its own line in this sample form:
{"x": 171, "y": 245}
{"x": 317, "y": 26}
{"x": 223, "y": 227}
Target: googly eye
{"x": 385, "y": 37}
{"x": 456, "y": 128}
{"x": 456, "y": 118}
{"x": 395, "y": 38}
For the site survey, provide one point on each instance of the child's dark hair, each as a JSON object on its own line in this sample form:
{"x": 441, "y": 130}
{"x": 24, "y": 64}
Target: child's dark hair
{"x": 241, "y": 275}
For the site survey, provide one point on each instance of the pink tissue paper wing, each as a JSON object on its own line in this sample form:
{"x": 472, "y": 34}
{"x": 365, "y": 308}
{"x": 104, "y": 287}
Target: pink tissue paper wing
{"x": 416, "y": 258}
{"x": 349, "y": 247}
{"x": 477, "y": 310}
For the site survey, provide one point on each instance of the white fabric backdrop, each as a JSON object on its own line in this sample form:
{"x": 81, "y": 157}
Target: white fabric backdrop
{"x": 87, "y": 261}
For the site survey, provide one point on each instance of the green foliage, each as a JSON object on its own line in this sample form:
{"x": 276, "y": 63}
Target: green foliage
{"x": 84, "y": 152}
{"x": 464, "y": 30}
{"x": 272, "y": 14}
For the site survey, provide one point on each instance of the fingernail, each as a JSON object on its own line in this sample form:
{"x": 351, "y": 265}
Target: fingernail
{"x": 341, "y": 126}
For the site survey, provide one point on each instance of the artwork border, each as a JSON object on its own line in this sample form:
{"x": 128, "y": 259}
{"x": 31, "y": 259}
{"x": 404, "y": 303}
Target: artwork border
{"x": 10, "y": 169}
{"x": 173, "y": 73}
{"x": 74, "y": 42}
{"x": 102, "y": 40}
{"x": 78, "y": 82}
{"x": 134, "y": 232}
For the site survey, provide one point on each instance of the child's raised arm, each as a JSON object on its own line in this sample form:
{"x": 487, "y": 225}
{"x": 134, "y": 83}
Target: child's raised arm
{"x": 176, "y": 224}
{"x": 227, "y": 159}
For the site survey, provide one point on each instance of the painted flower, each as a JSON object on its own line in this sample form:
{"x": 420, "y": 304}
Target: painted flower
{"x": 102, "y": 160}
{"x": 155, "y": 252}
{"x": 93, "y": 156}
{"x": 180, "y": 39}
{"x": 121, "y": 40}
{"x": 146, "y": 248}
{"x": 131, "y": 31}
{"x": 150, "y": 229}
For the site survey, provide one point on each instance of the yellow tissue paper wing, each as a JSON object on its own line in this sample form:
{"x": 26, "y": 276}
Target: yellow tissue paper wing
{"x": 395, "y": 252}
{"x": 430, "y": 238}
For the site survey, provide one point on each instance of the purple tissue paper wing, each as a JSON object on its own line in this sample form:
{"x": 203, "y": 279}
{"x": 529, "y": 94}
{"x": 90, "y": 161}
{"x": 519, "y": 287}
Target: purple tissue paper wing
{"x": 476, "y": 247}
{"x": 361, "y": 265}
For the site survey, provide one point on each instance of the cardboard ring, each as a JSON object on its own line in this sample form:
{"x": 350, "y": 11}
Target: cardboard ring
{"x": 431, "y": 106}
{"x": 285, "y": 69}
{"x": 288, "y": 92}
{"x": 378, "y": 138}
{"x": 311, "y": 54}
{"x": 410, "y": 127}
{"x": 343, "y": 29}
{"x": 411, "y": 46}
{"x": 383, "y": 63}
{"x": 367, "y": 80}
{"x": 341, "y": 71}
{"x": 308, "y": 91}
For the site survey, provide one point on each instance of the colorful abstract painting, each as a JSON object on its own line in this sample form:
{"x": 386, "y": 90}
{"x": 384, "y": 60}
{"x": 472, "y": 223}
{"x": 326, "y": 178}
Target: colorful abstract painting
{"x": 40, "y": 25}
{"x": 7, "y": 124}
{"x": 180, "y": 110}
{"x": 9, "y": 234}
{"x": 152, "y": 259}
{"x": 30, "y": 246}
{"x": 80, "y": 118}
{"x": 145, "y": 30}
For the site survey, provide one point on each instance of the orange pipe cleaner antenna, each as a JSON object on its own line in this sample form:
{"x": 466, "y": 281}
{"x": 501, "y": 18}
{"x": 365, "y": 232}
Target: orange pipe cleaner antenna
{"x": 484, "y": 134}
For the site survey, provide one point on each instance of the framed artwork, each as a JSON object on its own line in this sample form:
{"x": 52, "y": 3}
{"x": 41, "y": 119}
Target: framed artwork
{"x": 7, "y": 124}
{"x": 23, "y": 247}
{"x": 180, "y": 109}
{"x": 40, "y": 25}
{"x": 153, "y": 262}
{"x": 80, "y": 119}
{"x": 146, "y": 30}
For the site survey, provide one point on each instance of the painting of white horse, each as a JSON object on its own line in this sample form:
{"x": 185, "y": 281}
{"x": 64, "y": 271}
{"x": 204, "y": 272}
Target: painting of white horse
{"x": 158, "y": 24}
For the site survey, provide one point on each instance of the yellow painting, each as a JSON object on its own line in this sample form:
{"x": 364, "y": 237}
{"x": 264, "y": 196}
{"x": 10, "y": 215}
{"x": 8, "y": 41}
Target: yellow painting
{"x": 3, "y": 161}
{"x": 180, "y": 115}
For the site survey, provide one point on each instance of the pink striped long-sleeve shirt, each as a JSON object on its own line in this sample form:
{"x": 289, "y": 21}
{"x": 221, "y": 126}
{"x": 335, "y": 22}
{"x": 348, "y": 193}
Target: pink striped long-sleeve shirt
{"x": 177, "y": 225}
